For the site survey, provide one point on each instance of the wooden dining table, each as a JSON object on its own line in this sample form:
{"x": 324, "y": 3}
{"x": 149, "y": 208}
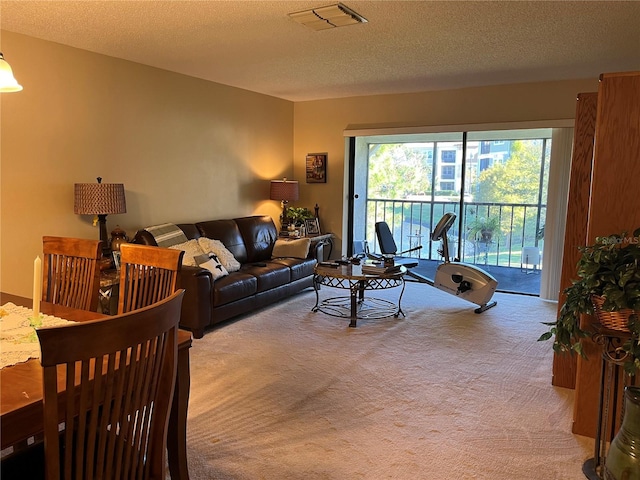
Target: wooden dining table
{"x": 21, "y": 408}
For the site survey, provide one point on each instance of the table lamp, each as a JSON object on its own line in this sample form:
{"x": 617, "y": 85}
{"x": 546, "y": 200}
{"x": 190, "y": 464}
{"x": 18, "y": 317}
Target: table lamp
{"x": 286, "y": 191}
{"x": 100, "y": 199}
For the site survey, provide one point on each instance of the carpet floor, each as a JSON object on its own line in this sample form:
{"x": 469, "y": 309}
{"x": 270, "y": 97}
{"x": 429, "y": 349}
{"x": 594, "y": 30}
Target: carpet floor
{"x": 443, "y": 393}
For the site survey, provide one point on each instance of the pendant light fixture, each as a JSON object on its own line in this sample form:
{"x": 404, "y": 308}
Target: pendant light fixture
{"x": 8, "y": 83}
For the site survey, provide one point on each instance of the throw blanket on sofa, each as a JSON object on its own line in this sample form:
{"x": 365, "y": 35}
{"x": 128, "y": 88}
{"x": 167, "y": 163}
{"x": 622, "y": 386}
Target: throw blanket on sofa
{"x": 167, "y": 234}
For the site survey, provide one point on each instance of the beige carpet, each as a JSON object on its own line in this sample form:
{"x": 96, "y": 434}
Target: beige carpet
{"x": 444, "y": 393}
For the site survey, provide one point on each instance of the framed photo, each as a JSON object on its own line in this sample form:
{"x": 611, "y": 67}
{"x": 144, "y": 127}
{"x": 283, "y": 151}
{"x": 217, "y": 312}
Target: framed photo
{"x": 317, "y": 168}
{"x": 312, "y": 226}
{"x": 116, "y": 260}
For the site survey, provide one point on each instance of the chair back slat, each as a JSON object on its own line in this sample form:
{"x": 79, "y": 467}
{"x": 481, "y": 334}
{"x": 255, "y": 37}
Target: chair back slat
{"x": 147, "y": 275}
{"x": 119, "y": 374}
{"x": 71, "y": 276}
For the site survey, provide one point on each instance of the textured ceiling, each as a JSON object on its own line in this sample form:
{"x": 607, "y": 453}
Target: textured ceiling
{"x": 406, "y": 46}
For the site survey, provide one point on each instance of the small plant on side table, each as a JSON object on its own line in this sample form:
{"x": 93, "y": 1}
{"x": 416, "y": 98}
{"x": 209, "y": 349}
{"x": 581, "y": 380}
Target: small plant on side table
{"x": 297, "y": 215}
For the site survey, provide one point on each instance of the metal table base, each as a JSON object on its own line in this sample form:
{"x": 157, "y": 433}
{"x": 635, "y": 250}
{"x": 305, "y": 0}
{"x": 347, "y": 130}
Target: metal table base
{"x": 356, "y": 306}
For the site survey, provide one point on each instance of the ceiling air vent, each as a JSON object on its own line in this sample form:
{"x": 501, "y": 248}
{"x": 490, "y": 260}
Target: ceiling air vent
{"x": 331, "y": 16}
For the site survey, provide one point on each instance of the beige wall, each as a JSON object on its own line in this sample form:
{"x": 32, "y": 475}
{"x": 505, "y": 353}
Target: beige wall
{"x": 319, "y": 126}
{"x": 185, "y": 149}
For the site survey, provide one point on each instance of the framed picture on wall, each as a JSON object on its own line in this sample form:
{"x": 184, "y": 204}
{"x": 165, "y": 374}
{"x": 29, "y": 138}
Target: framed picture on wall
{"x": 312, "y": 226}
{"x": 317, "y": 168}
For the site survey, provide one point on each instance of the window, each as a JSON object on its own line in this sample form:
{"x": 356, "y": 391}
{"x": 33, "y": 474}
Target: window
{"x": 448, "y": 156}
{"x": 448, "y": 172}
{"x": 447, "y": 186}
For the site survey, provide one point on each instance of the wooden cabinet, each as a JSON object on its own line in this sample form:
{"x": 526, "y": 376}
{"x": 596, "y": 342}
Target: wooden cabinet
{"x": 564, "y": 366}
{"x": 613, "y": 207}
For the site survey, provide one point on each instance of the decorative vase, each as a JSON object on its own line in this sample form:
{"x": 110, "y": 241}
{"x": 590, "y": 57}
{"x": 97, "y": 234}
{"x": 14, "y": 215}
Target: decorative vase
{"x": 118, "y": 237}
{"x": 623, "y": 458}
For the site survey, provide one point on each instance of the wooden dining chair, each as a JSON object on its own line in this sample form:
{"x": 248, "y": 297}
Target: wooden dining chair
{"x": 122, "y": 371}
{"x": 71, "y": 276}
{"x": 147, "y": 275}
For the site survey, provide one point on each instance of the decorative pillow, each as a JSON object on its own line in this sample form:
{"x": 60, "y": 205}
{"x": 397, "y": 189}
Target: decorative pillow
{"x": 291, "y": 248}
{"x": 225, "y": 256}
{"x": 191, "y": 249}
{"x": 167, "y": 234}
{"x": 211, "y": 263}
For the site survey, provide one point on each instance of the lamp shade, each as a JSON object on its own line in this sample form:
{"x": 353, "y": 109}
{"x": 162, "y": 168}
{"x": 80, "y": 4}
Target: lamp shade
{"x": 286, "y": 190}
{"x": 8, "y": 83}
{"x": 99, "y": 198}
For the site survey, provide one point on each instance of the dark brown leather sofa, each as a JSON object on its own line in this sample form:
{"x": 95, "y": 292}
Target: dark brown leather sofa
{"x": 260, "y": 281}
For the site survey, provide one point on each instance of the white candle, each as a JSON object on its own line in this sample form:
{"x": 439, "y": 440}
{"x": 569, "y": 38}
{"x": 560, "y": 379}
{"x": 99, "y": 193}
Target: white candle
{"x": 37, "y": 286}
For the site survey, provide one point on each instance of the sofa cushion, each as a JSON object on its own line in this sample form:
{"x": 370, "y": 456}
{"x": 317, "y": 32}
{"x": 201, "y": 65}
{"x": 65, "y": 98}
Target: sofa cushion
{"x": 268, "y": 274}
{"x": 216, "y": 247}
{"x": 235, "y": 286}
{"x": 300, "y": 268}
{"x": 298, "y": 248}
{"x": 191, "y": 249}
{"x": 211, "y": 263}
{"x": 259, "y": 234}
{"x": 167, "y": 234}
{"x": 190, "y": 230}
{"x": 228, "y": 233}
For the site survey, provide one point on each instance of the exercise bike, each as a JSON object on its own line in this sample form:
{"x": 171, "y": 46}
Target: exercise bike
{"x": 463, "y": 280}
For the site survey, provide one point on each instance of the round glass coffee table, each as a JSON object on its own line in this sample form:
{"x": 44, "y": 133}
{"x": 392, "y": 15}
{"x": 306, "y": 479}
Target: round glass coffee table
{"x": 356, "y": 305}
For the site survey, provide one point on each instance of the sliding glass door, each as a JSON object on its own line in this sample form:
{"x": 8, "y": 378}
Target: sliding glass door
{"x": 494, "y": 181}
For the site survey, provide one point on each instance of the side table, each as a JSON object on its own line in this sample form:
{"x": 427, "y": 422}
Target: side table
{"x": 108, "y": 292}
{"x": 317, "y": 241}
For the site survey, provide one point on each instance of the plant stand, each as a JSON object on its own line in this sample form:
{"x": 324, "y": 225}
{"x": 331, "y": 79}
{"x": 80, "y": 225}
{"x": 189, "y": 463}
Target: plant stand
{"x": 612, "y": 383}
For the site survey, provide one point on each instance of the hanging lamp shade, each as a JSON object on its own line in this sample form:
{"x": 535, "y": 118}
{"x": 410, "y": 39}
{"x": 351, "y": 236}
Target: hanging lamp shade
{"x": 8, "y": 82}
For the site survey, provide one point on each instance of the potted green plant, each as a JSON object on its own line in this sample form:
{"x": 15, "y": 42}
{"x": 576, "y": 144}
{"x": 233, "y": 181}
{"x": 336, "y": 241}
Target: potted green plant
{"x": 609, "y": 277}
{"x": 483, "y": 229}
{"x": 297, "y": 215}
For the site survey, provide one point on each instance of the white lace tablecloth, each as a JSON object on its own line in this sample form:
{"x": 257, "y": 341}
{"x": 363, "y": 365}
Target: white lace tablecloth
{"x": 18, "y": 339}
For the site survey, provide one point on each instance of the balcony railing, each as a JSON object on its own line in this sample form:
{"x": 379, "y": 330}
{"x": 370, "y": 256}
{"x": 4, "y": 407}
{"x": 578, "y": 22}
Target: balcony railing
{"x": 411, "y": 221}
